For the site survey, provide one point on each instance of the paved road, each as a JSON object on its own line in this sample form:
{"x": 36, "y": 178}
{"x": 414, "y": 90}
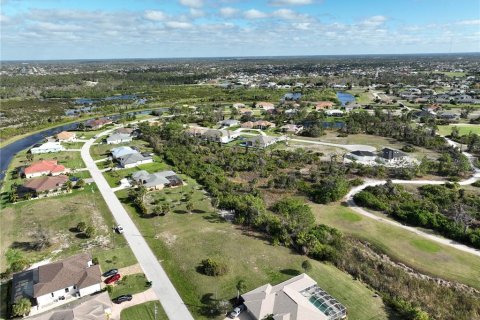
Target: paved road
{"x": 163, "y": 288}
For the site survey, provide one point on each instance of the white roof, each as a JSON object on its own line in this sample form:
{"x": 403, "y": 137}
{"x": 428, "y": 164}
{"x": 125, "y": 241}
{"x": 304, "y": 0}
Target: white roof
{"x": 50, "y": 145}
{"x": 122, "y": 151}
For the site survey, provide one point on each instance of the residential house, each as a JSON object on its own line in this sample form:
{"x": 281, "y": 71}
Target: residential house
{"x": 66, "y": 136}
{"x": 47, "y": 147}
{"x": 57, "y": 282}
{"x": 129, "y": 131}
{"x": 196, "y": 131}
{"x": 360, "y": 155}
{"x": 117, "y": 138}
{"x": 291, "y": 128}
{"x": 158, "y": 180}
{"x": 122, "y": 151}
{"x": 44, "y": 168}
{"x": 392, "y": 156}
{"x": 94, "y": 307}
{"x": 292, "y": 96}
{"x": 44, "y": 186}
{"x": 238, "y": 105}
{"x": 261, "y": 124}
{"x": 321, "y": 105}
{"x": 263, "y": 141}
{"x": 334, "y": 113}
{"x": 97, "y": 123}
{"x": 223, "y": 136}
{"x": 265, "y": 105}
{"x": 245, "y": 111}
{"x": 448, "y": 115}
{"x": 229, "y": 123}
{"x": 134, "y": 159}
{"x": 299, "y": 298}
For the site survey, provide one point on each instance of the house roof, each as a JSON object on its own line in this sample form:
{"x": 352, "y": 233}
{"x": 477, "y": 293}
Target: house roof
{"x": 260, "y": 140}
{"x": 119, "y": 136}
{"x": 50, "y": 145}
{"x": 285, "y": 300}
{"x": 265, "y": 105}
{"x": 93, "y": 308}
{"x": 44, "y": 166}
{"x": 122, "y": 151}
{"x": 153, "y": 179}
{"x": 45, "y": 183}
{"x": 362, "y": 153}
{"x": 125, "y": 130}
{"x": 65, "y": 135}
{"x": 390, "y": 154}
{"x": 65, "y": 273}
{"x": 132, "y": 158}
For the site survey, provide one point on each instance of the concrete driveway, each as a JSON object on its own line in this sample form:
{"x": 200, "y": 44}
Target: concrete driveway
{"x": 138, "y": 298}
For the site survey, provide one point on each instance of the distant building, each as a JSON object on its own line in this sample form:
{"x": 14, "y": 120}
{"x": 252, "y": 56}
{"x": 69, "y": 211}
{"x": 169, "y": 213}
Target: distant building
{"x": 158, "y": 180}
{"x": 265, "y": 105}
{"x": 117, "y": 138}
{"x": 223, "y": 136}
{"x": 56, "y": 282}
{"x": 44, "y": 186}
{"x": 391, "y": 156}
{"x": 292, "y": 96}
{"x": 261, "y": 125}
{"x": 263, "y": 141}
{"x": 97, "y": 123}
{"x": 360, "y": 155}
{"x": 134, "y": 159}
{"x": 321, "y": 105}
{"x": 47, "y": 147}
{"x": 66, "y": 136}
{"x": 334, "y": 113}
{"x": 229, "y": 123}
{"x": 291, "y": 128}
{"x": 299, "y": 298}
{"x": 122, "y": 151}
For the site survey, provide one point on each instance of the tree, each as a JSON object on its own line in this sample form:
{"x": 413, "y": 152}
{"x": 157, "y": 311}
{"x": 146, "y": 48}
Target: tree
{"x": 80, "y": 183}
{"x": 13, "y": 196}
{"x": 81, "y": 226}
{"x": 212, "y": 267}
{"x": 166, "y": 208}
{"x": 41, "y": 238}
{"x": 69, "y": 185}
{"x": 29, "y": 157}
{"x": 90, "y": 231}
{"x": 241, "y": 286}
{"x": 22, "y": 307}
{"x": 306, "y": 266}
{"x": 189, "y": 206}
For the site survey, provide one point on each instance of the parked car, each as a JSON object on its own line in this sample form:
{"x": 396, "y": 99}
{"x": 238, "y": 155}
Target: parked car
{"x": 123, "y": 298}
{"x": 119, "y": 229}
{"x": 113, "y": 279}
{"x": 236, "y": 312}
{"x": 110, "y": 273}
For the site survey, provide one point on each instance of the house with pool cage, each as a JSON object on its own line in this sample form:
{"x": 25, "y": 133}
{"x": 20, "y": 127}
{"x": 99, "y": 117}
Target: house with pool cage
{"x": 299, "y": 298}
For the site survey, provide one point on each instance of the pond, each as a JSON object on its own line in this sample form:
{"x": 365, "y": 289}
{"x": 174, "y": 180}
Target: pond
{"x": 345, "y": 97}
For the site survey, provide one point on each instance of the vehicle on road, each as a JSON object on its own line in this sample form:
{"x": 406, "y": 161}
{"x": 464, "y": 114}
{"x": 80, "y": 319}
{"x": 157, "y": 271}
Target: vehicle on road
{"x": 113, "y": 279}
{"x": 236, "y": 312}
{"x": 119, "y": 229}
{"x": 123, "y": 298}
{"x": 110, "y": 273}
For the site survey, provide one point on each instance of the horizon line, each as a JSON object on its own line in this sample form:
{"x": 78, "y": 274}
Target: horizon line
{"x": 249, "y": 57}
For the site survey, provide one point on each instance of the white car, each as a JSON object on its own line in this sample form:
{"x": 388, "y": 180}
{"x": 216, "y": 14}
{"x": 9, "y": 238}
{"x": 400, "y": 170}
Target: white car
{"x": 119, "y": 229}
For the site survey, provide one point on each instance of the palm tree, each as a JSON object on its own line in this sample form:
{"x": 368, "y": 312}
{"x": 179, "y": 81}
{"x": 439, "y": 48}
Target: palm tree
{"x": 241, "y": 286}
{"x": 189, "y": 206}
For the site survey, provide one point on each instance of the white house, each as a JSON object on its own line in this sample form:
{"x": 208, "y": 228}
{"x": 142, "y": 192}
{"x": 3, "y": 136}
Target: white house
{"x": 58, "y": 282}
{"x": 117, "y": 138}
{"x": 134, "y": 159}
{"x": 229, "y": 123}
{"x": 334, "y": 113}
{"x": 223, "y": 136}
{"x": 122, "y": 151}
{"x": 263, "y": 141}
{"x": 47, "y": 147}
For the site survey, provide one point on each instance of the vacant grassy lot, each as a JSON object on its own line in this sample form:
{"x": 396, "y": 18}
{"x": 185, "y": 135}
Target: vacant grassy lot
{"x": 73, "y": 145}
{"x": 144, "y": 311}
{"x": 181, "y": 240}
{"x": 424, "y": 255}
{"x": 129, "y": 284}
{"x": 59, "y": 216}
{"x": 462, "y": 128}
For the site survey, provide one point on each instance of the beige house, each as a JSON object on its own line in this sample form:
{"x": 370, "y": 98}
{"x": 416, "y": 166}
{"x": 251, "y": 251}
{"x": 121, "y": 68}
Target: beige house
{"x": 66, "y": 136}
{"x": 296, "y": 299}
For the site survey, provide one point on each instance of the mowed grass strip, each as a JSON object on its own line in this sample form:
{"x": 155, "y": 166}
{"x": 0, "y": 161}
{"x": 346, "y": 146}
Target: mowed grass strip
{"x": 129, "y": 284}
{"x": 401, "y": 245}
{"x": 181, "y": 240}
{"x": 144, "y": 311}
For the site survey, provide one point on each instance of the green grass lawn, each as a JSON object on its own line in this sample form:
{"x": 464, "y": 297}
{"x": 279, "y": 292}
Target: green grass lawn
{"x": 181, "y": 240}
{"x": 102, "y": 150}
{"x": 73, "y": 145}
{"x": 129, "y": 284}
{"x": 114, "y": 177}
{"x": 59, "y": 216}
{"x": 462, "y": 128}
{"x": 144, "y": 311}
{"x": 401, "y": 245}
{"x": 363, "y": 97}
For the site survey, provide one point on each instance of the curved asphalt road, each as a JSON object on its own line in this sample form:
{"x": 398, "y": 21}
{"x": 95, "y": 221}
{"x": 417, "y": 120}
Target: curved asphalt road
{"x": 163, "y": 288}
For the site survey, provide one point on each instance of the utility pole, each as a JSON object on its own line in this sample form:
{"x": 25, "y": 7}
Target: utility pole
{"x": 156, "y": 310}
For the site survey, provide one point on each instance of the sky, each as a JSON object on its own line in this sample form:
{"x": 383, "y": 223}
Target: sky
{"x": 104, "y": 29}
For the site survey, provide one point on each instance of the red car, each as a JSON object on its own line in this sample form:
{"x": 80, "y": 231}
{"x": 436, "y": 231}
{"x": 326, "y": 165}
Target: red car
{"x": 113, "y": 279}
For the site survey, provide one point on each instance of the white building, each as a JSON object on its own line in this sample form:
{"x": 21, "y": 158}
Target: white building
{"x": 117, "y": 138}
{"x": 47, "y": 147}
{"x": 223, "y": 136}
{"x": 58, "y": 282}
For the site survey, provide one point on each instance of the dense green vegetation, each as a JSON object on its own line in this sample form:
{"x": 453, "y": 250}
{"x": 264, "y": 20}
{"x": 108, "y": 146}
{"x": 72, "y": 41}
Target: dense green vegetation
{"x": 447, "y": 209}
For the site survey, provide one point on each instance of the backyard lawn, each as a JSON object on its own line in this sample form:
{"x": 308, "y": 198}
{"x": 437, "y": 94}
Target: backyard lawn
{"x": 144, "y": 311}
{"x": 181, "y": 240}
{"x": 424, "y": 255}
{"x": 113, "y": 177}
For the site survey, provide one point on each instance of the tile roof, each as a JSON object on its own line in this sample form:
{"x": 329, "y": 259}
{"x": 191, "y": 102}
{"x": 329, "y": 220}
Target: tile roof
{"x": 51, "y": 166}
{"x": 65, "y": 135}
{"x": 45, "y": 183}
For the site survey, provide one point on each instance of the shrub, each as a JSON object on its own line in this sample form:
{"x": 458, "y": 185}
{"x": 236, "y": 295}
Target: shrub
{"x": 90, "y": 231}
{"x": 81, "y": 226}
{"x": 22, "y": 307}
{"x": 211, "y": 267}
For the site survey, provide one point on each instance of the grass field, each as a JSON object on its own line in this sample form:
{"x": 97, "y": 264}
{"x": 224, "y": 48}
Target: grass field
{"x": 59, "y": 216}
{"x": 144, "y": 311}
{"x": 424, "y": 255}
{"x": 73, "y": 145}
{"x": 114, "y": 177}
{"x": 129, "y": 284}
{"x": 462, "y": 128}
{"x": 182, "y": 240}
{"x": 363, "y": 97}
{"x": 102, "y": 150}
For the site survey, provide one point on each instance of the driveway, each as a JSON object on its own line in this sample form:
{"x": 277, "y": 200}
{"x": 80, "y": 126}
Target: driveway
{"x": 139, "y": 298}
{"x": 161, "y": 285}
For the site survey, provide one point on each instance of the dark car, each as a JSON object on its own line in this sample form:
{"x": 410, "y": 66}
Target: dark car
{"x": 113, "y": 279}
{"x": 110, "y": 273}
{"x": 236, "y": 312}
{"x": 123, "y": 298}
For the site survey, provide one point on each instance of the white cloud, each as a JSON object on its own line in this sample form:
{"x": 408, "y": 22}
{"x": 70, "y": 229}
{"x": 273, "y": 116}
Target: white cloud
{"x": 178, "y": 25}
{"x": 374, "y": 21}
{"x": 302, "y": 25}
{"x": 287, "y": 14}
{"x": 155, "y": 15}
{"x": 196, "y": 13}
{"x": 469, "y": 22}
{"x": 254, "y": 14}
{"x": 192, "y": 3}
{"x": 228, "y": 11}
{"x": 290, "y": 2}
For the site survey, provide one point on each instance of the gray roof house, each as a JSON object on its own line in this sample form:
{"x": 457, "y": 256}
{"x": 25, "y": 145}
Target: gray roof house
{"x": 157, "y": 180}
{"x": 392, "y": 155}
{"x": 122, "y": 151}
{"x": 117, "y": 138}
{"x": 134, "y": 159}
{"x": 261, "y": 141}
{"x": 229, "y": 123}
